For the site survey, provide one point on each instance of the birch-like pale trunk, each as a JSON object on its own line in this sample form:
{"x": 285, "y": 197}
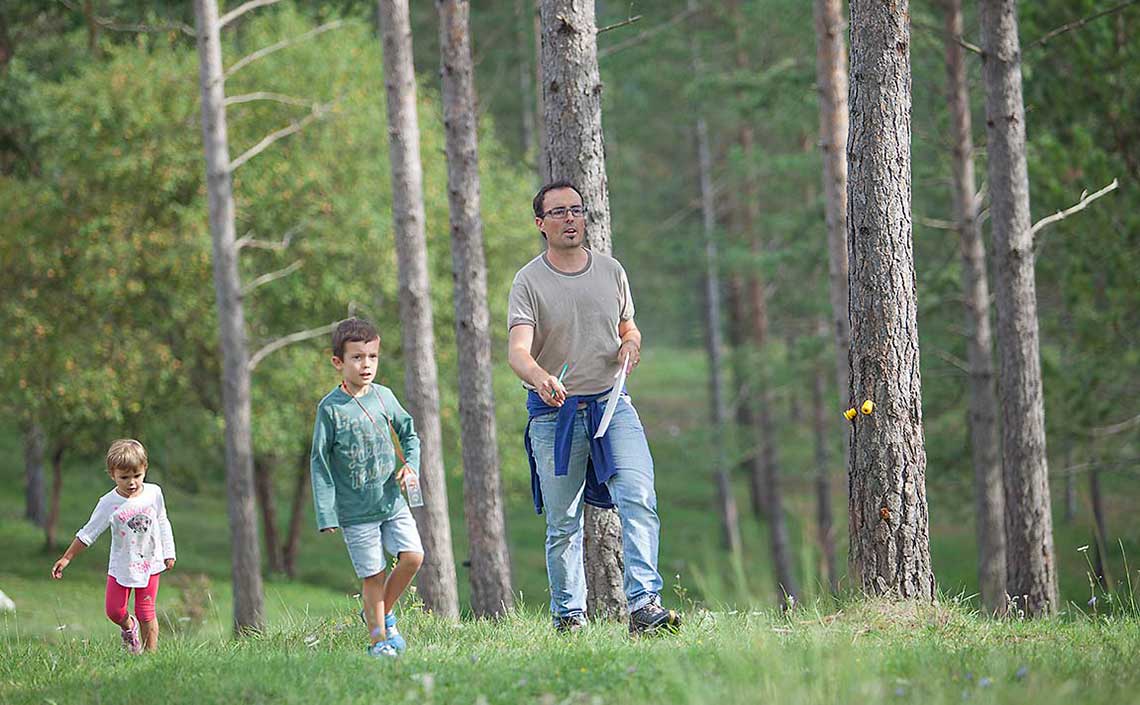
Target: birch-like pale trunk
{"x": 575, "y": 151}
{"x": 1031, "y": 578}
{"x": 889, "y": 523}
{"x": 482, "y": 488}
{"x": 726, "y": 502}
{"x": 831, "y": 77}
{"x": 989, "y": 501}
{"x": 437, "y": 581}
{"x": 34, "y": 441}
{"x": 245, "y": 550}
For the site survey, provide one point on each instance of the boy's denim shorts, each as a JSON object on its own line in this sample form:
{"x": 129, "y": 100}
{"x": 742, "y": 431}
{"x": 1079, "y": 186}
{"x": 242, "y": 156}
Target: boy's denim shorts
{"x": 368, "y": 542}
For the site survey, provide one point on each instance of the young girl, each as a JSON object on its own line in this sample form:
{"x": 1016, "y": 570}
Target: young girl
{"x": 142, "y": 544}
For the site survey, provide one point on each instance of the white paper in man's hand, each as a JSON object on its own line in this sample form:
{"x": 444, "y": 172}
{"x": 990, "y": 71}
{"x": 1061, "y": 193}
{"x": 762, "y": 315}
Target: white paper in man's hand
{"x": 615, "y": 396}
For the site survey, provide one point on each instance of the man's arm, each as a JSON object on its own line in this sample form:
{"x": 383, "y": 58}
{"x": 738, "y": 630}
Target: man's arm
{"x": 527, "y": 368}
{"x": 630, "y": 343}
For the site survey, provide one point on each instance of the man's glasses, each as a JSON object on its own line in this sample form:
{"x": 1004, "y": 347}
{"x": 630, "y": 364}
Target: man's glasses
{"x": 561, "y": 211}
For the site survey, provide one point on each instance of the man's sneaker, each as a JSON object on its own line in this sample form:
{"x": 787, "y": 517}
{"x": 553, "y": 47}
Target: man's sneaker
{"x": 394, "y": 637}
{"x": 569, "y": 624}
{"x": 131, "y": 640}
{"x": 654, "y": 619}
{"x": 382, "y": 649}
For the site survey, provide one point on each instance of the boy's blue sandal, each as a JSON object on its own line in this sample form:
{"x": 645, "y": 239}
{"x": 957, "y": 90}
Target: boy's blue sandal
{"x": 395, "y": 638}
{"x": 383, "y": 649}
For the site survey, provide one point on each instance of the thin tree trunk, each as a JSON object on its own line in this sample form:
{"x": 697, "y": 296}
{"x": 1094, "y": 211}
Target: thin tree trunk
{"x": 249, "y": 596}
{"x": 92, "y": 27}
{"x": 525, "y": 19}
{"x": 824, "y": 520}
{"x": 541, "y": 162}
{"x": 7, "y": 48}
{"x": 1101, "y": 566}
{"x": 738, "y": 340}
{"x": 34, "y": 473}
{"x": 1070, "y": 485}
{"x": 263, "y": 486}
{"x": 889, "y": 523}
{"x": 1032, "y": 573}
{"x": 482, "y": 488}
{"x": 575, "y": 151}
{"x": 831, "y": 76}
{"x": 983, "y": 424}
{"x": 56, "y": 492}
{"x": 437, "y": 584}
{"x": 296, "y": 516}
{"x": 726, "y": 502}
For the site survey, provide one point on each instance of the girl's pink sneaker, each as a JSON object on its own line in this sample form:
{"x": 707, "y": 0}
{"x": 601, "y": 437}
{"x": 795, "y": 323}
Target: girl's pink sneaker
{"x": 131, "y": 640}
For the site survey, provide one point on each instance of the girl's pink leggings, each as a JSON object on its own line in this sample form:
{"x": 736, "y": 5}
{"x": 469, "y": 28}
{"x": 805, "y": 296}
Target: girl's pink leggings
{"x": 145, "y": 599}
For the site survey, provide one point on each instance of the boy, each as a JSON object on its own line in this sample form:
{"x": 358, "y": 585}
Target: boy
{"x": 356, "y": 483}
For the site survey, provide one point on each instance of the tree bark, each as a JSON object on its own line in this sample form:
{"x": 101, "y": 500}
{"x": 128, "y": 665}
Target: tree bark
{"x": 1031, "y": 570}
{"x": 56, "y": 492}
{"x": 1101, "y": 565}
{"x": 263, "y": 486}
{"x": 726, "y": 502}
{"x": 1070, "y": 485}
{"x": 823, "y": 515}
{"x": 437, "y": 584}
{"x": 889, "y": 524}
{"x": 249, "y": 596}
{"x": 34, "y": 474}
{"x": 296, "y": 516}
{"x": 542, "y": 164}
{"x": 988, "y": 498}
{"x": 575, "y": 151}
{"x": 490, "y": 561}
{"x": 831, "y": 76}
{"x": 525, "y": 20}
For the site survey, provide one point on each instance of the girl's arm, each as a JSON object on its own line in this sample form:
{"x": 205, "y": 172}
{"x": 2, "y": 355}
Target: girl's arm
{"x": 72, "y": 551}
{"x": 167, "y": 533}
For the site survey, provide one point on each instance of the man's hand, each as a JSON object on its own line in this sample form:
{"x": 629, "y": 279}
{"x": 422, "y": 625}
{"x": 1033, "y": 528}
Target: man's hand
{"x": 57, "y": 569}
{"x": 632, "y": 349}
{"x": 550, "y": 389}
{"x": 402, "y": 474}
{"x": 330, "y": 530}
{"x": 169, "y": 563}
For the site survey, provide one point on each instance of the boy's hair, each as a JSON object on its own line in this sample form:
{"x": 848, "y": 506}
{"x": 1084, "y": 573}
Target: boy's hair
{"x": 126, "y": 454}
{"x": 352, "y": 330}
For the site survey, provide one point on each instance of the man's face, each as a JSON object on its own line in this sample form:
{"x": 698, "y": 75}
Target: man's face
{"x": 565, "y": 232}
{"x": 359, "y": 364}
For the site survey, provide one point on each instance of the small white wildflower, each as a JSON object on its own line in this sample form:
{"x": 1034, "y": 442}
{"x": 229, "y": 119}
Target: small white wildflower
{"x": 1092, "y": 601}
{"x": 1082, "y": 549}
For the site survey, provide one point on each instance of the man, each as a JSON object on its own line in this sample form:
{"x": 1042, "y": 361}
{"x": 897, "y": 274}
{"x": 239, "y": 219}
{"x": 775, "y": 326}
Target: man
{"x": 571, "y": 328}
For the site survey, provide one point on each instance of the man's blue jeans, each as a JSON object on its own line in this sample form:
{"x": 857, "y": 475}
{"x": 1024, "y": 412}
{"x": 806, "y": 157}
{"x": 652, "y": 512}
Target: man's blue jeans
{"x": 632, "y": 491}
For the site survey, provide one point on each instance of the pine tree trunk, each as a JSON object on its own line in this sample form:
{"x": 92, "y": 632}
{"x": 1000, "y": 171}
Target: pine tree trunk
{"x": 437, "y": 583}
{"x": 823, "y": 516}
{"x": 1031, "y": 570}
{"x": 889, "y": 523}
{"x": 245, "y": 551}
{"x": 1070, "y": 485}
{"x": 524, "y": 19}
{"x": 542, "y": 164}
{"x": 482, "y": 489}
{"x": 296, "y": 516}
{"x": 56, "y": 493}
{"x": 730, "y": 522}
{"x": 750, "y": 462}
{"x": 988, "y": 497}
{"x": 575, "y": 151}
{"x": 1101, "y": 567}
{"x": 263, "y": 486}
{"x": 34, "y": 474}
{"x": 831, "y": 76}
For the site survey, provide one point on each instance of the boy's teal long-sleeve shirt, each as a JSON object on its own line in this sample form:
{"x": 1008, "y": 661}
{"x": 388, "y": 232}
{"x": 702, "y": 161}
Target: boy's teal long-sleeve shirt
{"x": 353, "y": 463}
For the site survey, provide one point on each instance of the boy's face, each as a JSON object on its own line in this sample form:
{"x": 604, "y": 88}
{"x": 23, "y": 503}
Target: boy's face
{"x": 358, "y": 367}
{"x": 128, "y": 481}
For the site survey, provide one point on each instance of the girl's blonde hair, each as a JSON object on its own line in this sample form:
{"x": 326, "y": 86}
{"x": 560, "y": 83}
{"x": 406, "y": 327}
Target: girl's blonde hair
{"x": 126, "y": 454}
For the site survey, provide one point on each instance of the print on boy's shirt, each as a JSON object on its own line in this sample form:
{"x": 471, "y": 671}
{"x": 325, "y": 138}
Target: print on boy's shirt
{"x": 369, "y": 457}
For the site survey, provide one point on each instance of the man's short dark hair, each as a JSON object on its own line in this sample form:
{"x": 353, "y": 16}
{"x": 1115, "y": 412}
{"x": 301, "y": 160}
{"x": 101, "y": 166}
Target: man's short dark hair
{"x": 352, "y": 330}
{"x": 552, "y": 186}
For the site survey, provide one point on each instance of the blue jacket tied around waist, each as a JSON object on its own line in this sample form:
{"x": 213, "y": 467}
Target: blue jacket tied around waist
{"x": 600, "y": 465}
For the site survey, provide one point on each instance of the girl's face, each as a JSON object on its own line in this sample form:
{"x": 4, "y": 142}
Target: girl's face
{"x": 128, "y": 481}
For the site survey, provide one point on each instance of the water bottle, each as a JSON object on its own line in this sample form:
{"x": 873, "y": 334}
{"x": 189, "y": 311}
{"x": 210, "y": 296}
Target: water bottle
{"x": 415, "y": 493}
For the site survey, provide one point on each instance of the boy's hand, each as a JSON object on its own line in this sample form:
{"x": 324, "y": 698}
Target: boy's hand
{"x": 330, "y": 530}
{"x": 57, "y": 569}
{"x": 169, "y": 563}
{"x": 402, "y": 474}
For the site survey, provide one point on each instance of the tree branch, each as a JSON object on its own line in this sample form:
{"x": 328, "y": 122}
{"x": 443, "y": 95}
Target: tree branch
{"x": 247, "y": 241}
{"x": 1079, "y": 206}
{"x": 271, "y": 276}
{"x": 288, "y": 340}
{"x": 116, "y": 26}
{"x": 1101, "y": 431}
{"x": 317, "y": 112}
{"x": 265, "y": 95}
{"x": 1076, "y": 24}
{"x": 629, "y": 20}
{"x": 260, "y": 53}
{"x": 935, "y": 223}
{"x": 956, "y": 38}
{"x": 241, "y": 10}
{"x": 648, "y": 34}
{"x": 952, "y": 360}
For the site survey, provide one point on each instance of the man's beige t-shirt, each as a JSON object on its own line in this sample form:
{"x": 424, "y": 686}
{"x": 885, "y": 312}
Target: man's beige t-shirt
{"x": 575, "y": 318}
